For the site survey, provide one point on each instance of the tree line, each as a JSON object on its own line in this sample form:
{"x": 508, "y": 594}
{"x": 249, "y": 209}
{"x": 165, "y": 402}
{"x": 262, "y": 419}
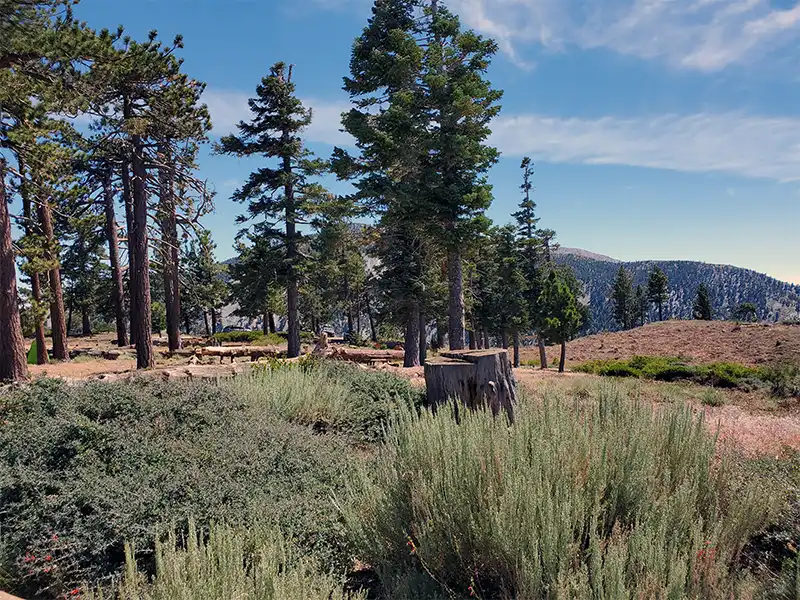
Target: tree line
{"x": 432, "y": 268}
{"x": 632, "y": 306}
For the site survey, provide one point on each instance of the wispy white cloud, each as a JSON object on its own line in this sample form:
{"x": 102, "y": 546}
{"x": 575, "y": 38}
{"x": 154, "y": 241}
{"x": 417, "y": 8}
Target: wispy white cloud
{"x": 732, "y": 143}
{"x": 704, "y": 35}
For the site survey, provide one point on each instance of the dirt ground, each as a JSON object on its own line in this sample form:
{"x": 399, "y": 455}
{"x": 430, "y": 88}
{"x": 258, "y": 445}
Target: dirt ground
{"x": 700, "y": 341}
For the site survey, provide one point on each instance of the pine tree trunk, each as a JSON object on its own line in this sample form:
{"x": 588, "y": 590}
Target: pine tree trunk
{"x": 660, "y": 311}
{"x": 13, "y": 358}
{"x": 213, "y": 320}
{"x": 86, "y": 324}
{"x": 42, "y": 357}
{"x": 205, "y": 318}
{"x": 117, "y": 287}
{"x": 516, "y": 350}
{"x": 455, "y": 276}
{"x": 58, "y": 321}
{"x": 69, "y": 312}
{"x": 127, "y": 197}
{"x": 412, "y": 337}
{"x": 563, "y": 361}
{"x": 169, "y": 250}
{"x": 473, "y": 344}
{"x": 478, "y": 338}
{"x": 265, "y": 324}
{"x": 486, "y": 342}
{"x": 272, "y": 328}
{"x": 440, "y": 334}
{"x": 423, "y": 339}
{"x": 542, "y": 353}
{"x": 349, "y": 322}
{"x": 372, "y": 330}
{"x": 140, "y": 274}
{"x": 504, "y": 339}
{"x": 187, "y": 324}
{"x": 292, "y": 291}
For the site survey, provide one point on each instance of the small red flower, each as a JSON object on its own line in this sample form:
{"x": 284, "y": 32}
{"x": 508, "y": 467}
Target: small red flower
{"x": 29, "y": 558}
{"x": 48, "y": 558}
{"x": 75, "y": 592}
{"x": 471, "y": 591}
{"x": 54, "y": 538}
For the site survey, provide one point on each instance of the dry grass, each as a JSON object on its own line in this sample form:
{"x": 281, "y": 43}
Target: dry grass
{"x": 700, "y": 341}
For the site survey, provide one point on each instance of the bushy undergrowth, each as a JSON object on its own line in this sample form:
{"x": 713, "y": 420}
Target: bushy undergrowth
{"x": 85, "y": 468}
{"x": 329, "y": 395}
{"x": 225, "y": 562}
{"x": 601, "y": 499}
{"x": 784, "y": 380}
{"x": 661, "y": 368}
{"x": 242, "y": 337}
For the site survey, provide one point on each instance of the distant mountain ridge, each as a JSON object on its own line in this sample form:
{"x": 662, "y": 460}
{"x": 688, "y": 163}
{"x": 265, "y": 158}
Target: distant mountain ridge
{"x": 729, "y": 287}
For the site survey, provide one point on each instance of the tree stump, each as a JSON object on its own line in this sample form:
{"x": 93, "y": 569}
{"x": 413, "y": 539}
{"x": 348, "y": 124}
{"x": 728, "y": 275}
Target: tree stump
{"x": 473, "y": 378}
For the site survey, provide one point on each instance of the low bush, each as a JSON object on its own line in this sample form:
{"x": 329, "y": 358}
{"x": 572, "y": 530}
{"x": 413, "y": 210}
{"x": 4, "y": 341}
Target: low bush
{"x": 329, "y": 395}
{"x": 84, "y": 468}
{"x": 237, "y": 337}
{"x": 784, "y": 380}
{"x": 599, "y": 499}
{"x": 712, "y": 398}
{"x": 246, "y": 564}
{"x": 660, "y": 368}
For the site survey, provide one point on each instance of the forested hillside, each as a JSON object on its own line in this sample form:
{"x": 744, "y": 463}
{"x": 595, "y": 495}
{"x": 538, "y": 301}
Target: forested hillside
{"x": 729, "y": 287}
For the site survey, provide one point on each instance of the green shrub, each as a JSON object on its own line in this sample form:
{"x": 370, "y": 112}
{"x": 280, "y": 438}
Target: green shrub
{"x": 663, "y": 368}
{"x": 240, "y": 337}
{"x": 329, "y": 395}
{"x": 784, "y": 380}
{"x": 712, "y": 398}
{"x": 84, "y": 468}
{"x": 246, "y": 564}
{"x": 606, "y": 499}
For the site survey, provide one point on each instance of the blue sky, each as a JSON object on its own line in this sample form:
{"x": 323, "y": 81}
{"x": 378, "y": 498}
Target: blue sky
{"x": 660, "y": 129}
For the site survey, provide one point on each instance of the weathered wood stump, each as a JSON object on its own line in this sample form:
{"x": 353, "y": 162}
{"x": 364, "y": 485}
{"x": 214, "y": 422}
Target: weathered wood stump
{"x": 473, "y": 378}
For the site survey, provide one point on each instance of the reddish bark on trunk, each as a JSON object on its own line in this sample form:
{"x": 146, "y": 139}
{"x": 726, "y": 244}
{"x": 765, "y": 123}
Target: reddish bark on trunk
{"x": 58, "y": 320}
{"x": 13, "y": 358}
{"x": 117, "y": 288}
{"x": 140, "y": 273}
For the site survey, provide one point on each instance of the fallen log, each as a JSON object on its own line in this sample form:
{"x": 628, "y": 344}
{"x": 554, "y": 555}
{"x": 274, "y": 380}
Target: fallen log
{"x": 363, "y": 355}
{"x": 234, "y": 352}
{"x": 472, "y": 378}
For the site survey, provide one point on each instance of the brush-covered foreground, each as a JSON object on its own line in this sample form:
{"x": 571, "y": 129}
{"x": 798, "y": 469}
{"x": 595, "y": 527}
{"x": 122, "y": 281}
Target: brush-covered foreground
{"x": 275, "y": 485}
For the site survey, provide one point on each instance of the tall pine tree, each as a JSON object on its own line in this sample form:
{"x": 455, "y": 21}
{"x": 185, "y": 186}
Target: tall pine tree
{"x": 284, "y": 192}
{"x": 622, "y": 296}
{"x": 702, "y": 304}
{"x": 658, "y": 290}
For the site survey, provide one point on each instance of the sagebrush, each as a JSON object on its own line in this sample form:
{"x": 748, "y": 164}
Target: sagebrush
{"x": 600, "y": 499}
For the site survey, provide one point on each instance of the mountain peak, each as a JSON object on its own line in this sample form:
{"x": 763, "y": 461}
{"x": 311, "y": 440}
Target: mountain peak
{"x": 581, "y": 253}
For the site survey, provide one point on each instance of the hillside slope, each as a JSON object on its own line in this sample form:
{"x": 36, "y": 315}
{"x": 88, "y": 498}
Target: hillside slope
{"x": 729, "y": 287}
{"x": 699, "y": 341}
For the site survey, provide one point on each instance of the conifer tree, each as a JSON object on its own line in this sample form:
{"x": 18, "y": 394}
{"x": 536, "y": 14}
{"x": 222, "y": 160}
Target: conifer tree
{"x": 534, "y": 259}
{"x": 658, "y": 290}
{"x": 285, "y": 192}
{"x": 204, "y": 286}
{"x": 641, "y": 306}
{"x": 564, "y": 314}
{"x": 511, "y": 292}
{"x": 702, "y": 304}
{"x": 460, "y": 102}
{"x": 622, "y": 296}
{"x": 390, "y": 132}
